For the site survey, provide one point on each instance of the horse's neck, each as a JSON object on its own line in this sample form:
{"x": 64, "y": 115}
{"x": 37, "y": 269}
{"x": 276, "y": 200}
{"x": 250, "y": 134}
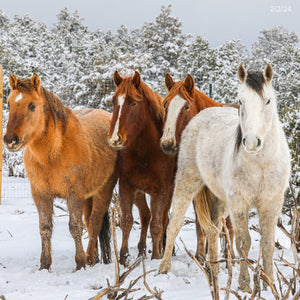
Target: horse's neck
{"x": 147, "y": 141}
{"x": 48, "y": 146}
{"x": 202, "y": 101}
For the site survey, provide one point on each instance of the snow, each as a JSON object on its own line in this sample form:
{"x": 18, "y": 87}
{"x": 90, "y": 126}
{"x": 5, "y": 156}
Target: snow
{"x": 20, "y": 277}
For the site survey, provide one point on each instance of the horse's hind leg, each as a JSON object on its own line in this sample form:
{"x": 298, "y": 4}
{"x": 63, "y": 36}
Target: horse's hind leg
{"x": 98, "y": 226}
{"x": 145, "y": 215}
{"x": 201, "y": 237}
{"x": 75, "y": 206}
{"x": 87, "y": 211}
{"x": 213, "y": 233}
{"x": 268, "y": 217}
{"x": 231, "y": 235}
{"x": 44, "y": 206}
{"x": 187, "y": 184}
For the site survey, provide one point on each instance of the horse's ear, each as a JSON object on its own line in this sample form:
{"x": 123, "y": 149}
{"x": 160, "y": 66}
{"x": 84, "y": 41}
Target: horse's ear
{"x": 136, "y": 79}
{"x": 189, "y": 83}
{"x": 169, "y": 81}
{"x": 242, "y": 73}
{"x": 268, "y": 73}
{"x": 117, "y": 78}
{"x": 13, "y": 81}
{"x": 36, "y": 82}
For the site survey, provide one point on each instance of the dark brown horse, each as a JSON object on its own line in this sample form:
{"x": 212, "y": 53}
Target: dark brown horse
{"x": 182, "y": 103}
{"x": 67, "y": 155}
{"x": 135, "y": 130}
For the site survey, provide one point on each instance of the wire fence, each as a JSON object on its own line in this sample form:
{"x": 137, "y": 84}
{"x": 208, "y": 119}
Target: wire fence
{"x": 15, "y": 188}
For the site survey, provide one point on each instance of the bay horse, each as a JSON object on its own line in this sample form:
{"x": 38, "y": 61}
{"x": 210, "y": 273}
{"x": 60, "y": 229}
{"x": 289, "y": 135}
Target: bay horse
{"x": 66, "y": 155}
{"x": 135, "y": 131}
{"x": 243, "y": 157}
{"x": 181, "y": 104}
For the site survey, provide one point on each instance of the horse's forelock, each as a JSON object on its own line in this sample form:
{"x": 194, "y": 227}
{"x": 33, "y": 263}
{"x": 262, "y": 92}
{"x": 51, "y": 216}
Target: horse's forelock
{"x": 25, "y": 85}
{"x": 143, "y": 92}
{"x": 255, "y": 80}
{"x": 177, "y": 89}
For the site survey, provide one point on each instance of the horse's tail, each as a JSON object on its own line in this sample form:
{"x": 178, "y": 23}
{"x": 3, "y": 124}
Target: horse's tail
{"x": 203, "y": 202}
{"x": 105, "y": 240}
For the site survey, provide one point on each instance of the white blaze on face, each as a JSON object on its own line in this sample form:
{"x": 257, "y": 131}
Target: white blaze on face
{"x": 252, "y": 116}
{"x": 19, "y": 97}
{"x": 174, "y": 109}
{"x": 115, "y": 137}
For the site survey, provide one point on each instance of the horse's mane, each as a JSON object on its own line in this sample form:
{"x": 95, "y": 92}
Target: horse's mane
{"x": 200, "y": 99}
{"x": 143, "y": 92}
{"x": 57, "y": 108}
{"x": 177, "y": 89}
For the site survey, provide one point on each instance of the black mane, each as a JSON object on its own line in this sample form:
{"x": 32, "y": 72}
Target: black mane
{"x": 238, "y": 140}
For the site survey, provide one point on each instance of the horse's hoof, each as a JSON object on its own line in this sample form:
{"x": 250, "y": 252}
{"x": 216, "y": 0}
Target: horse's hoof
{"x": 124, "y": 260}
{"x": 92, "y": 260}
{"x": 156, "y": 256}
{"x": 164, "y": 268}
{"x": 44, "y": 267}
{"x": 245, "y": 288}
{"x": 142, "y": 254}
{"x": 80, "y": 265}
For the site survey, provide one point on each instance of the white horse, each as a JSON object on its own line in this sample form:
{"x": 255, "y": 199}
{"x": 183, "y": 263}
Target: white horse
{"x": 244, "y": 159}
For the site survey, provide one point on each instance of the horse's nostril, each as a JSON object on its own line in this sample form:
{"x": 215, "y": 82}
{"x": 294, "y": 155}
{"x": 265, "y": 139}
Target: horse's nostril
{"x": 244, "y": 141}
{"x": 5, "y": 139}
{"x": 258, "y": 142}
{"x": 119, "y": 139}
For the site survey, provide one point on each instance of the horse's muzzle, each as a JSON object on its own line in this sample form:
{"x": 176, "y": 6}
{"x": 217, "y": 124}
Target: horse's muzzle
{"x": 116, "y": 144}
{"x": 252, "y": 145}
{"x": 168, "y": 146}
{"x": 12, "y": 144}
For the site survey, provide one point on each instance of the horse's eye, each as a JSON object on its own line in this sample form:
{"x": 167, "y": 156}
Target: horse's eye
{"x": 31, "y": 106}
{"x": 268, "y": 102}
{"x": 240, "y": 102}
{"x": 133, "y": 104}
{"x": 187, "y": 108}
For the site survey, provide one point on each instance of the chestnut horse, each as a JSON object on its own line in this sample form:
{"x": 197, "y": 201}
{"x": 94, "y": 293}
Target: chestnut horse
{"x": 181, "y": 104}
{"x": 67, "y": 155}
{"x": 135, "y": 130}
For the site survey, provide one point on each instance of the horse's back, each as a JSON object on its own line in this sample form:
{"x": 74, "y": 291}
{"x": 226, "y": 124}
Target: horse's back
{"x": 96, "y": 124}
{"x": 96, "y": 121}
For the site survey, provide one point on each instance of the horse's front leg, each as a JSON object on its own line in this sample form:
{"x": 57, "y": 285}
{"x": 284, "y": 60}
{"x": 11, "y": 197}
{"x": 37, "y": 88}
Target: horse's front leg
{"x": 239, "y": 211}
{"x": 268, "y": 217}
{"x": 127, "y": 193}
{"x": 44, "y": 204}
{"x": 75, "y": 206}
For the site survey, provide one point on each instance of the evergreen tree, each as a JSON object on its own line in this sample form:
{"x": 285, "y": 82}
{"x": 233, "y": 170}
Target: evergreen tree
{"x": 279, "y": 47}
{"x": 163, "y": 41}
{"x": 198, "y": 59}
{"x": 224, "y": 74}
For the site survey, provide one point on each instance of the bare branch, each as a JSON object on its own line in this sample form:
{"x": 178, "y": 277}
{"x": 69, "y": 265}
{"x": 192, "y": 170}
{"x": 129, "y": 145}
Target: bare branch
{"x": 229, "y": 260}
{"x": 156, "y": 294}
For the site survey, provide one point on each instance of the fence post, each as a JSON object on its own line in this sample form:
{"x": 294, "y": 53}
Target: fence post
{"x": 1, "y": 126}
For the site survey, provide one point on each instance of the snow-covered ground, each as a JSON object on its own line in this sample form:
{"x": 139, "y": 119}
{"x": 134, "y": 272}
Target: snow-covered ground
{"x": 20, "y": 248}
